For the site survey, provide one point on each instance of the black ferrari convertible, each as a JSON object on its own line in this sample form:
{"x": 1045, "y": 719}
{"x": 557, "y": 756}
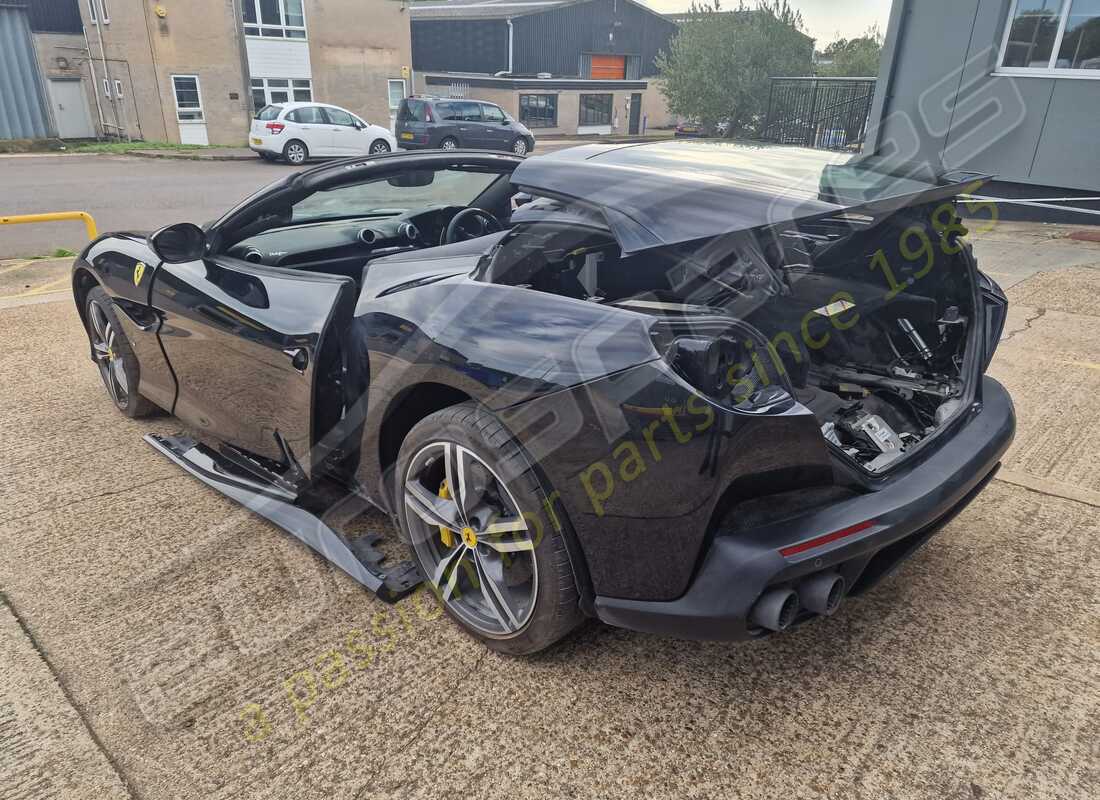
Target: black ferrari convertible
{"x": 708, "y": 390}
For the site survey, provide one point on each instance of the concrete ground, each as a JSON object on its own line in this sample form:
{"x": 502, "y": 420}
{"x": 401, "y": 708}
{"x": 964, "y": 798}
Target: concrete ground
{"x": 160, "y": 643}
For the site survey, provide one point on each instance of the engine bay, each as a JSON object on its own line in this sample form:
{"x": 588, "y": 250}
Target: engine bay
{"x": 864, "y": 320}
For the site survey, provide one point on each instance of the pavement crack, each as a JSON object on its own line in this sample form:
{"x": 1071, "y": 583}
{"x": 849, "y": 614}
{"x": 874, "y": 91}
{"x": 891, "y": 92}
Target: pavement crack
{"x": 131, "y": 790}
{"x": 1039, "y": 314}
{"x": 78, "y": 500}
{"x": 415, "y": 737}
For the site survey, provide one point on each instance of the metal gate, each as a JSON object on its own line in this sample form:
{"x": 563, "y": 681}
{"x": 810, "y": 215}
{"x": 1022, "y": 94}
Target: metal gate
{"x": 828, "y": 113}
{"x": 23, "y": 112}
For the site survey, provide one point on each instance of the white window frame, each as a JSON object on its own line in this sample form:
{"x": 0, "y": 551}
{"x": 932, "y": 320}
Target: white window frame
{"x": 1049, "y": 71}
{"x": 176, "y": 100}
{"x": 289, "y": 89}
{"x": 404, "y": 93}
{"x": 282, "y": 26}
{"x": 105, "y": 14}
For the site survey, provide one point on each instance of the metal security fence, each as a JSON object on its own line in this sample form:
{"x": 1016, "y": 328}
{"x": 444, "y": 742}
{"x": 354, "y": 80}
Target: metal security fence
{"x": 827, "y": 113}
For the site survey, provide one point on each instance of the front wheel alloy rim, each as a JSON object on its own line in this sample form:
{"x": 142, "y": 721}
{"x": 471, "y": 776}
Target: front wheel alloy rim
{"x": 380, "y": 147}
{"x": 519, "y": 147}
{"x": 105, "y": 349}
{"x": 472, "y": 539}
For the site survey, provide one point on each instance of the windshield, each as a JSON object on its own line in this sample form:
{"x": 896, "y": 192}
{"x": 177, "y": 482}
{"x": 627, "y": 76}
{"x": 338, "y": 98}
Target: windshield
{"x": 394, "y": 195}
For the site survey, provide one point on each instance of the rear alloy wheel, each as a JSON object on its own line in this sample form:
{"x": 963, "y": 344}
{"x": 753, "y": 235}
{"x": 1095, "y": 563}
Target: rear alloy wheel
{"x": 473, "y": 511}
{"x": 295, "y": 152}
{"x": 450, "y": 143}
{"x": 118, "y": 366}
{"x": 379, "y": 146}
{"x": 519, "y": 146}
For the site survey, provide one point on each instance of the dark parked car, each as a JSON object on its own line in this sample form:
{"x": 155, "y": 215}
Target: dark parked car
{"x": 430, "y": 123}
{"x": 699, "y": 389}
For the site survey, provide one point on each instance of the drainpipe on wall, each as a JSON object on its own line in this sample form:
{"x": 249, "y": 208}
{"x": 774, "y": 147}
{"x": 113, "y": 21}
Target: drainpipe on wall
{"x": 246, "y": 73}
{"x": 107, "y": 75}
{"x": 95, "y": 83}
{"x": 510, "y": 31}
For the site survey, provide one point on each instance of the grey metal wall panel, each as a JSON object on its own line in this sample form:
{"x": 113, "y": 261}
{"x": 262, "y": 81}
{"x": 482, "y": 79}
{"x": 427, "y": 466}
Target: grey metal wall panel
{"x": 1066, "y": 155}
{"x": 946, "y": 104}
{"x": 456, "y": 45}
{"x": 23, "y": 113}
{"x": 554, "y": 40}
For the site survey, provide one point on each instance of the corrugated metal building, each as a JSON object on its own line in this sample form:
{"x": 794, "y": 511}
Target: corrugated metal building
{"x": 596, "y": 59}
{"x": 1008, "y": 87}
{"x": 23, "y": 110}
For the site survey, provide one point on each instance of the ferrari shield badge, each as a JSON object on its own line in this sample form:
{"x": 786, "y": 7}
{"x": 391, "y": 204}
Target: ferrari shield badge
{"x": 139, "y": 270}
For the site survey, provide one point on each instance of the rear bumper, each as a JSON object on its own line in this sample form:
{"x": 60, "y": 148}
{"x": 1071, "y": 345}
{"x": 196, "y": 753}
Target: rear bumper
{"x": 266, "y": 144}
{"x": 903, "y": 514}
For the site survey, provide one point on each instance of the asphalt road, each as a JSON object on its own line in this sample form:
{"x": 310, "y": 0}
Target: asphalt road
{"x": 156, "y": 641}
{"x": 122, "y": 193}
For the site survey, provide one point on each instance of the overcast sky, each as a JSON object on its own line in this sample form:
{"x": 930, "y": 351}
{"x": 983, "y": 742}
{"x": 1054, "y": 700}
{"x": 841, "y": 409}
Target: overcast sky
{"x": 826, "y": 20}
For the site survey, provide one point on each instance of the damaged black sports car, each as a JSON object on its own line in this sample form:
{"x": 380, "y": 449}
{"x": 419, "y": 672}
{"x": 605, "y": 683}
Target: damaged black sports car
{"x": 708, "y": 390}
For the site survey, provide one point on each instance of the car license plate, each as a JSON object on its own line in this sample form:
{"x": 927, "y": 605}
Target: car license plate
{"x": 255, "y": 140}
{"x": 406, "y": 136}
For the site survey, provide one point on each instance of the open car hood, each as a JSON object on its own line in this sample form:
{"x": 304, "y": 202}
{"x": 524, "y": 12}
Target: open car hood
{"x": 668, "y": 193}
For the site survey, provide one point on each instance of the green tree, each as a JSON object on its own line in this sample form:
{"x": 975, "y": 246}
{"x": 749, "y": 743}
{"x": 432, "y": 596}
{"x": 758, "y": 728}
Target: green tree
{"x": 858, "y": 57}
{"x": 718, "y": 65}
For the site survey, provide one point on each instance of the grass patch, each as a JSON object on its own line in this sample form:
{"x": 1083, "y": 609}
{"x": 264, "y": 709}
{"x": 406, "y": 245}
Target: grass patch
{"x": 126, "y": 147}
{"x": 63, "y": 252}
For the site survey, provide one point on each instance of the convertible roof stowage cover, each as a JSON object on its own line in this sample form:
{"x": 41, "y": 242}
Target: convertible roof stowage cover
{"x": 672, "y": 192}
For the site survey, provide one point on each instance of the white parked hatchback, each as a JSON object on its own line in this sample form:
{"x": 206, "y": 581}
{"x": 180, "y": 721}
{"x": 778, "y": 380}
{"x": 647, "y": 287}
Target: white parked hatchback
{"x": 296, "y": 132}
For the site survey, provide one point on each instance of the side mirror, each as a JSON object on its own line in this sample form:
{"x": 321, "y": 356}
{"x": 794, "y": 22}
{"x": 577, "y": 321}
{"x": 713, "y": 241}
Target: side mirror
{"x": 179, "y": 243}
{"x": 506, "y": 122}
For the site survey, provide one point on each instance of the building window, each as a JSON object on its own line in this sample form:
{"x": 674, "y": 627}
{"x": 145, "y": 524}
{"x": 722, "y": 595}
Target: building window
{"x": 266, "y": 91}
{"x": 188, "y": 98}
{"x": 538, "y": 110}
{"x": 97, "y": 11}
{"x": 396, "y": 91}
{"x": 1059, "y": 37}
{"x": 274, "y": 19}
{"x": 595, "y": 109}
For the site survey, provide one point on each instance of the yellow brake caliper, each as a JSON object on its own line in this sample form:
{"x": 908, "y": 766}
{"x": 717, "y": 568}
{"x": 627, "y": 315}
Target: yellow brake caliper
{"x": 446, "y": 534}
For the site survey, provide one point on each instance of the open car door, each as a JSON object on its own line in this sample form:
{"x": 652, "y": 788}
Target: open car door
{"x": 247, "y": 343}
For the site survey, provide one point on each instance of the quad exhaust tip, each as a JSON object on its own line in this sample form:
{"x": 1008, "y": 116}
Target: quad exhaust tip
{"x": 775, "y": 610}
{"x": 822, "y": 593}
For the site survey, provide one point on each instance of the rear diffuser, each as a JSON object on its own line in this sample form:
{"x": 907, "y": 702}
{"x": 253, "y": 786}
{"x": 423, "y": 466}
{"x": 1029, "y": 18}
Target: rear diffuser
{"x": 356, "y": 556}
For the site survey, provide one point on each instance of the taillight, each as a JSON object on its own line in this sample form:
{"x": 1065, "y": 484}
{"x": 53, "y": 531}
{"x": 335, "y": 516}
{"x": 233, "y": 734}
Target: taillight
{"x": 724, "y": 369}
{"x": 275, "y": 127}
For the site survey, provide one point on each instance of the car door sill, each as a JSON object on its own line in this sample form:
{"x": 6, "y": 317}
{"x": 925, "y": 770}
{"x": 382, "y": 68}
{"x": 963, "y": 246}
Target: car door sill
{"x": 356, "y": 556}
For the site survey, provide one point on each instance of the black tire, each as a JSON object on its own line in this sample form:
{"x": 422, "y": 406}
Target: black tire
{"x": 379, "y": 146}
{"x": 449, "y": 143}
{"x": 295, "y": 152}
{"x": 555, "y": 610}
{"x": 519, "y": 146}
{"x": 99, "y": 310}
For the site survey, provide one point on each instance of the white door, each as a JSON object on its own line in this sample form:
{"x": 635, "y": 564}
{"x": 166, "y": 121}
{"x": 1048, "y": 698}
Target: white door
{"x": 70, "y": 109}
{"x": 347, "y": 138}
{"x": 310, "y": 124}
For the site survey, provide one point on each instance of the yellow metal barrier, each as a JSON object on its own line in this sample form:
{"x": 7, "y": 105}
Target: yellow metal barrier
{"x": 57, "y": 216}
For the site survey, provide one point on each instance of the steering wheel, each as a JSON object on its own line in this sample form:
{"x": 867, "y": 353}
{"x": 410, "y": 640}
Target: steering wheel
{"x": 489, "y": 224}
